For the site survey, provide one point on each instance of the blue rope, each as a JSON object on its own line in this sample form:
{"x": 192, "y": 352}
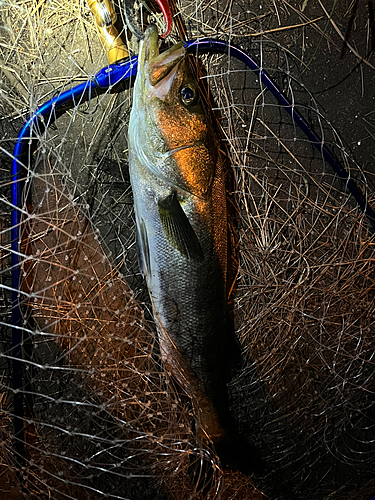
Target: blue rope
{"x": 105, "y": 79}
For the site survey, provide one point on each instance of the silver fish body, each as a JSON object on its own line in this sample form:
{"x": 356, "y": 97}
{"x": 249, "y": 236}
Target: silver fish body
{"x": 177, "y": 177}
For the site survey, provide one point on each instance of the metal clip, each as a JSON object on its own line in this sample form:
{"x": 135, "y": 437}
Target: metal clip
{"x": 132, "y": 23}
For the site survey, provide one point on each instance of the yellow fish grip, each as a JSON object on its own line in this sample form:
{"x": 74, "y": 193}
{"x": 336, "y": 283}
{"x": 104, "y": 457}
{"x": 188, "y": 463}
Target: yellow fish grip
{"x": 105, "y": 18}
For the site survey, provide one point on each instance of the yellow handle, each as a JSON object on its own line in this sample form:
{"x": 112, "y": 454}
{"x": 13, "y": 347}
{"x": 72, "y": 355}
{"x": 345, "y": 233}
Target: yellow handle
{"x": 105, "y": 18}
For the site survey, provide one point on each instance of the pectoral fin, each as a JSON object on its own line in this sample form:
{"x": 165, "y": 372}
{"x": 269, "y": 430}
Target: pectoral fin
{"x": 177, "y": 228}
{"x": 143, "y": 250}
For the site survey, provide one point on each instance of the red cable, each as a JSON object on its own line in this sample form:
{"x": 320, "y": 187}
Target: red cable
{"x": 164, "y": 6}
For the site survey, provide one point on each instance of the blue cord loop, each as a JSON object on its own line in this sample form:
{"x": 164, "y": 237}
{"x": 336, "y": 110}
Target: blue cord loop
{"x": 111, "y": 75}
{"x": 105, "y": 79}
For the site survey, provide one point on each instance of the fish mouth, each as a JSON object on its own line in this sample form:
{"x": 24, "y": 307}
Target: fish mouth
{"x": 159, "y": 68}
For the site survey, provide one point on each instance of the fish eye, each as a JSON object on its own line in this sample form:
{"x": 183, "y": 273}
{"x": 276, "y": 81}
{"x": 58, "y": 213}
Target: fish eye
{"x": 188, "y": 94}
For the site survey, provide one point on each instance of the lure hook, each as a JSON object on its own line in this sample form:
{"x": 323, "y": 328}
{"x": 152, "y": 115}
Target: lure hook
{"x": 132, "y": 23}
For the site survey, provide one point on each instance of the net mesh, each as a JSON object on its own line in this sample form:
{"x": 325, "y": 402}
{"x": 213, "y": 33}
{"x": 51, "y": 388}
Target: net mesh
{"x": 102, "y": 419}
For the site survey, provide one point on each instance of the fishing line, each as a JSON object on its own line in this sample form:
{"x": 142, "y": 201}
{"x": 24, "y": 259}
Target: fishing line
{"x": 103, "y": 81}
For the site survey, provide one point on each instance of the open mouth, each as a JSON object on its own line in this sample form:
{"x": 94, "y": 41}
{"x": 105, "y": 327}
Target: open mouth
{"x": 157, "y": 65}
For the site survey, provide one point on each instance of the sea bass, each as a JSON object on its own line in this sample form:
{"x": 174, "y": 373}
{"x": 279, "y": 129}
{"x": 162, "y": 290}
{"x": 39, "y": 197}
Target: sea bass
{"x": 177, "y": 177}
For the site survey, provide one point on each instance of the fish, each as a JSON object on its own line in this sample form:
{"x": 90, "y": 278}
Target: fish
{"x": 177, "y": 174}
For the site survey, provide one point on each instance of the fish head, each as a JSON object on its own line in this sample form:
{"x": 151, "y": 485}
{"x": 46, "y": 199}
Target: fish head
{"x": 166, "y": 76}
{"x": 173, "y": 129}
